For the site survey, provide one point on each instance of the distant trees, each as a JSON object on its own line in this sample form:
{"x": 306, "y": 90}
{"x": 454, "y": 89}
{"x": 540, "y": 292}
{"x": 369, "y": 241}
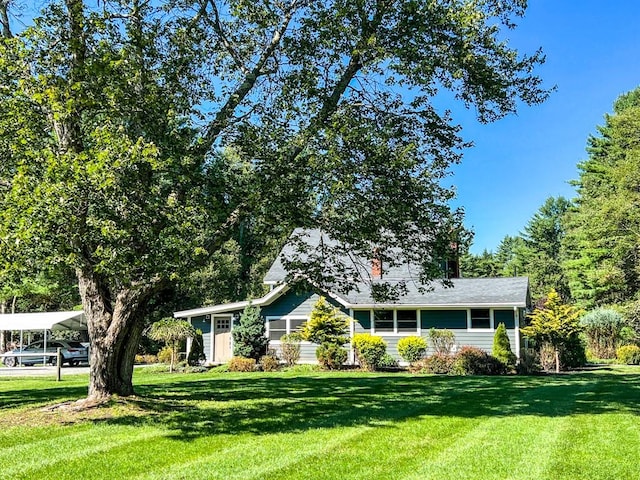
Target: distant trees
{"x": 602, "y": 247}
{"x": 536, "y": 252}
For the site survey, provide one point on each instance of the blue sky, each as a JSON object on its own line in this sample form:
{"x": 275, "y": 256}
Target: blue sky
{"x": 593, "y": 56}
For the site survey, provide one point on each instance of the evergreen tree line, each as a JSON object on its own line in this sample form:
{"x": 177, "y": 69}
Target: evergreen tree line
{"x": 587, "y": 248}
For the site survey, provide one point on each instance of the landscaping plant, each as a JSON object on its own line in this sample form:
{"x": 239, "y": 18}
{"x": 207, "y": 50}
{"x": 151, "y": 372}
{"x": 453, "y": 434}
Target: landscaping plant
{"x": 502, "y": 347}
{"x": 290, "y": 348}
{"x": 629, "y": 355}
{"x": 171, "y": 331}
{"x": 603, "y": 329}
{"x": 442, "y": 341}
{"x": 249, "y": 339}
{"x": 475, "y": 361}
{"x": 412, "y": 348}
{"x": 331, "y": 356}
{"x": 370, "y": 350}
{"x": 558, "y": 325}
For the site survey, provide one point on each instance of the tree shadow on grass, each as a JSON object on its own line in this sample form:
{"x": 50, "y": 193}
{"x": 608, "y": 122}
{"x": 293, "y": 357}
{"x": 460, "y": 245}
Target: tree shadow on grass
{"x": 272, "y": 404}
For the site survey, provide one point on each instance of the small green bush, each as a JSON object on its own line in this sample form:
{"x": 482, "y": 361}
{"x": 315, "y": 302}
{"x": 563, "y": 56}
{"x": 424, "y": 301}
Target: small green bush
{"x": 331, "y": 356}
{"x": 269, "y": 363}
{"x": 412, "y": 349}
{"x": 629, "y": 355}
{"x": 442, "y": 341}
{"x": 475, "y": 361}
{"x": 196, "y": 353}
{"x": 437, "y": 363}
{"x": 146, "y": 359}
{"x": 165, "y": 354}
{"x": 502, "y": 347}
{"x": 387, "y": 361}
{"x": 369, "y": 350}
{"x": 241, "y": 364}
{"x": 290, "y": 348}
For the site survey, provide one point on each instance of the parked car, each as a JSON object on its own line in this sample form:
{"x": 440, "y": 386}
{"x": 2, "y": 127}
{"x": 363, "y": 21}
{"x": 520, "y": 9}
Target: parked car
{"x": 72, "y": 353}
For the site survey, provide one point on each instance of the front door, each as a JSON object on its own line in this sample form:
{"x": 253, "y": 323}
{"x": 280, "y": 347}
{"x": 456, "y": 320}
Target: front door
{"x": 222, "y": 344}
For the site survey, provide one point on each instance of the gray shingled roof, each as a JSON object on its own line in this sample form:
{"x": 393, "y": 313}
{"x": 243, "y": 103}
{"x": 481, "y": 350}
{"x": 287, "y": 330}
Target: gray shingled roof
{"x": 511, "y": 291}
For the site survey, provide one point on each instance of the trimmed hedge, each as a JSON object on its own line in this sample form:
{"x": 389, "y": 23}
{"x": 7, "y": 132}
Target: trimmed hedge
{"x": 412, "y": 349}
{"x": 370, "y": 350}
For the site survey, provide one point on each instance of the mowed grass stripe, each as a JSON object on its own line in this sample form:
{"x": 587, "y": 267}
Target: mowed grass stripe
{"x": 43, "y": 459}
{"x": 343, "y": 425}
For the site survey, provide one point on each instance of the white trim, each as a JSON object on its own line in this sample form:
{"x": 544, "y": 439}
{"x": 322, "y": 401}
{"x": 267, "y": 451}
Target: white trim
{"x": 352, "y": 332}
{"x": 516, "y": 330}
{"x": 230, "y": 307}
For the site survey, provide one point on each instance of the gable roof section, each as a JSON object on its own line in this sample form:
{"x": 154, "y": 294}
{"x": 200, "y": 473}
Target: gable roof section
{"x": 465, "y": 292}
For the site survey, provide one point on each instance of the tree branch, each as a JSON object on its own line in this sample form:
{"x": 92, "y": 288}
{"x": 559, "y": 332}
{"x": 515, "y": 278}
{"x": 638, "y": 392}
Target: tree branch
{"x": 4, "y": 18}
{"x": 224, "y": 115}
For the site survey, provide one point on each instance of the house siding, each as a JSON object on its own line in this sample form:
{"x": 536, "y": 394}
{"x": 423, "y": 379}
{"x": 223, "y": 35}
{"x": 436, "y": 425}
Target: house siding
{"x": 204, "y": 326}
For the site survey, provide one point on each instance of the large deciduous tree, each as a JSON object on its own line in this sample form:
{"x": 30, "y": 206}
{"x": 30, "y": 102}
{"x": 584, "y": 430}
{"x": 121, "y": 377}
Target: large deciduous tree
{"x": 119, "y": 119}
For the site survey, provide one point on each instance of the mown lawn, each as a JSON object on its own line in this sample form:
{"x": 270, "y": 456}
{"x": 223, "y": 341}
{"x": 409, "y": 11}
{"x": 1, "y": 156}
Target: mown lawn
{"x": 329, "y": 426}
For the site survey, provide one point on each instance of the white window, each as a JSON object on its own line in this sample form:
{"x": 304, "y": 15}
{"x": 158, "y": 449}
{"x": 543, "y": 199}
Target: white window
{"x": 279, "y": 326}
{"x": 480, "y": 319}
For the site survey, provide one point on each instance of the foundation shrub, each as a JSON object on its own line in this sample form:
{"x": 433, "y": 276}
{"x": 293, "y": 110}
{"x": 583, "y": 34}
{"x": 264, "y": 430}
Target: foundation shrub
{"x": 442, "y": 341}
{"x": 412, "y": 349}
{"x": 387, "y": 361}
{"x": 502, "y": 347}
{"x": 475, "y": 361}
{"x": 290, "y": 348}
{"x": 438, "y": 363}
{"x": 269, "y": 363}
{"x": 331, "y": 356}
{"x": 370, "y": 350}
{"x": 242, "y": 364}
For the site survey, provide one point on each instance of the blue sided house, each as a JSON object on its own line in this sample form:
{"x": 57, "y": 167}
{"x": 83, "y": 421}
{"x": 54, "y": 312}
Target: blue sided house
{"x": 470, "y": 307}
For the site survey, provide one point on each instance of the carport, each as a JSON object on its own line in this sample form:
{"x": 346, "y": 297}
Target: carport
{"x": 45, "y": 321}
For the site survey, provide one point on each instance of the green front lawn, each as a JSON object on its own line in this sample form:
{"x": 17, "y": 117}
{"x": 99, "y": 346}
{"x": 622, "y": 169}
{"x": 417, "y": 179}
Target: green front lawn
{"x": 329, "y": 425}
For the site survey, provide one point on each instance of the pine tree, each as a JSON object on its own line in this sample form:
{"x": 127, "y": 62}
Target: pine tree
{"x": 502, "y": 347}
{"x": 249, "y": 339}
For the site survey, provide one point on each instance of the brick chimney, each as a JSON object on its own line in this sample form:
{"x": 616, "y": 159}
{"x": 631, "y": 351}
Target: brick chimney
{"x": 376, "y": 265}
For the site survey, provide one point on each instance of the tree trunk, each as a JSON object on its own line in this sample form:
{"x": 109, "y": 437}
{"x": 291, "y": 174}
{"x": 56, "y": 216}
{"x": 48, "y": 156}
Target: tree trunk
{"x": 557, "y": 355}
{"x": 114, "y": 328}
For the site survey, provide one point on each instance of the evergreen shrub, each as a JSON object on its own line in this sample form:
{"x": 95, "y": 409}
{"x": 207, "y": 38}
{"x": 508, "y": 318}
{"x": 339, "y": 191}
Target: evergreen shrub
{"x": 412, "y": 349}
{"x": 369, "y": 350}
{"x": 249, "y": 340}
{"x": 331, "y": 356}
{"x": 502, "y": 347}
{"x": 196, "y": 354}
{"x": 387, "y": 361}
